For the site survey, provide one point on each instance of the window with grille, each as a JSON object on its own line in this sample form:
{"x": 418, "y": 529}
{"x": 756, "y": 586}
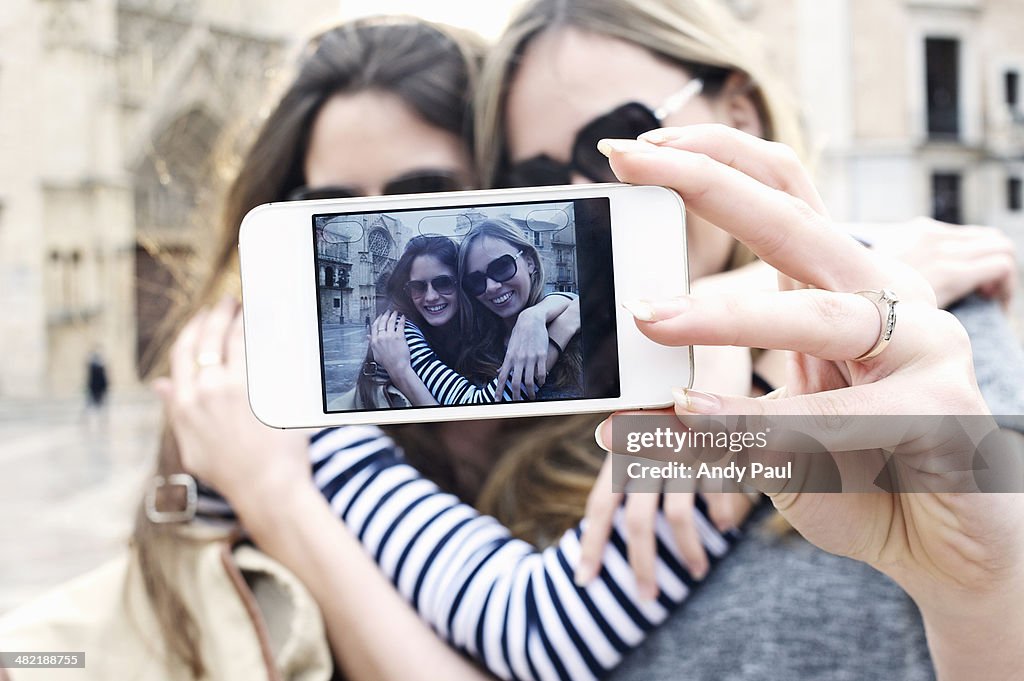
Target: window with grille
{"x": 946, "y": 197}
{"x": 942, "y": 87}
{"x": 1014, "y": 194}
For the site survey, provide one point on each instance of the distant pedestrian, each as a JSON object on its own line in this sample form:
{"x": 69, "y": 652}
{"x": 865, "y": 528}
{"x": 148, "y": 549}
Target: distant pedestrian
{"x": 367, "y": 322}
{"x": 96, "y": 381}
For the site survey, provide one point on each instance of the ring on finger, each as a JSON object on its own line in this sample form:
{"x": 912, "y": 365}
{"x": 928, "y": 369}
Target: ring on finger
{"x": 885, "y": 300}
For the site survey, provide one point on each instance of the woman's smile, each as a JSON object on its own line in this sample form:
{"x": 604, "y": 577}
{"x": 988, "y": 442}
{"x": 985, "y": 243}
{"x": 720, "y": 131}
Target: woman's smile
{"x": 503, "y": 298}
{"x": 435, "y": 309}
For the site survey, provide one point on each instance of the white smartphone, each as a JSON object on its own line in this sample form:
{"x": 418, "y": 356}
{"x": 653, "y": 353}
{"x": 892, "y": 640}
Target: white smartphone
{"x": 321, "y": 279}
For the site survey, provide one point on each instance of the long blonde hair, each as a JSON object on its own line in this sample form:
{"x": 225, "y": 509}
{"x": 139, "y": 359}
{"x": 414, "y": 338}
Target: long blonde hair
{"x": 549, "y": 467}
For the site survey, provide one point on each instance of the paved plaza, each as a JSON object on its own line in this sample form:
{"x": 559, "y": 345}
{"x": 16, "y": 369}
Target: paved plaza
{"x": 69, "y": 487}
{"x": 344, "y": 353}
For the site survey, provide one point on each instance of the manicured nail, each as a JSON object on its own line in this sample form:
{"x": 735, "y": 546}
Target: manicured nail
{"x": 656, "y": 310}
{"x": 696, "y": 402}
{"x": 661, "y": 135}
{"x": 599, "y": 439}
{"x": 584, "y": 574}
{"x": 699, "y": 572}
{"x": 610, "y": 146}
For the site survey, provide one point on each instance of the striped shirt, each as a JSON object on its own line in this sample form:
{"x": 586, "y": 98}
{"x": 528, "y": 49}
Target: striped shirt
{"x": 506, "y": 603}
{"x": 444, "y": 383}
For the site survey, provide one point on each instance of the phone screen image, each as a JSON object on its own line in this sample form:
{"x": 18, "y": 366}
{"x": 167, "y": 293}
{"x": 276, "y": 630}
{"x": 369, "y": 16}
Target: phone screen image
{"x": 461, "y": 278}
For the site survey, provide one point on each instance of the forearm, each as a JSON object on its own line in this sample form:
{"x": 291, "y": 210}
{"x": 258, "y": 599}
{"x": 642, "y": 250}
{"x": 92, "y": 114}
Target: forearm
{"x": 373, "y": 632}
{"x": 985, "y": 645}
{"x": 413, "y": 388}
{"x": 474, "y": 583}
{"x": 443, "y": 384}
{"x": 551, "y": 306}
{"x": 562, "y": 334}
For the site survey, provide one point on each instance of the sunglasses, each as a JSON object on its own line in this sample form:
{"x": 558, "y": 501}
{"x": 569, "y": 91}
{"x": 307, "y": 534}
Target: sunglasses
{"x": 500, "y": 269}
{"x": 417, "y": 288}
{"x": 416, "y": 182}
{"x": 628, "y": 121}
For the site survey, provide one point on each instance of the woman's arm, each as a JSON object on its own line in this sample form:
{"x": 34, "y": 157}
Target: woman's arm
{"x": 515, "y": 608}
{"x": 563, "y": 329}
{"x": 265, "y": 475}
{"x": 444, "y": 384}
{"x": 373, "y": 632}
{"x": 529, "y": 354}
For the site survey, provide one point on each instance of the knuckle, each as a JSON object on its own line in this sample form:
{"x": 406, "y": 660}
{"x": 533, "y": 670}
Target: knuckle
{"x": 830, "y": 309}
{"x": 678, "y": 515}
{"x": 785, "y": 155}
{"x": 950, "y": 332}
{"x": 704, "y": 163}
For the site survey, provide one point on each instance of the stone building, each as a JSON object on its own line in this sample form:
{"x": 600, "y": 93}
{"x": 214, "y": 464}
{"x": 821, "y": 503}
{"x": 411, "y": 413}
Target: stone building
{"x": 915, "y": 107}
{"x": 355, "y": 257}
{"x": 109, "y": 112}
{"x": 110, "y": 109}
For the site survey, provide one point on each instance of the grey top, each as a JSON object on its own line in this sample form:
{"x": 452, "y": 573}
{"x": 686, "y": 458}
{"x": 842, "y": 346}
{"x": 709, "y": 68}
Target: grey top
{"x": 778, "y": 608}
{"x": 998, "y": 358}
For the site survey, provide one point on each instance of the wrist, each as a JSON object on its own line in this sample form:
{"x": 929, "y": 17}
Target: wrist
{"x": 975, "y": 636}
{"x": 268, "y": 501}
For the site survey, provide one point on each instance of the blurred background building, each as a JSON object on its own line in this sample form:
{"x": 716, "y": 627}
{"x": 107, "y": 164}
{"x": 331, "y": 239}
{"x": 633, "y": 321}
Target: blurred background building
{"x": 113, "y": 115}
{"x": 110, "y": 114}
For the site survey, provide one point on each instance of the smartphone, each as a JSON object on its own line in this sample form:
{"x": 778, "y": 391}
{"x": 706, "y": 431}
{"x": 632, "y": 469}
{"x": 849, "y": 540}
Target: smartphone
{"x": 323, "y": 283}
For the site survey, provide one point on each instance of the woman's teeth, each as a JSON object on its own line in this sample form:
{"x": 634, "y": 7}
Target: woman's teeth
{"x": 502, "y": 299}
{"x": 434, "y": 309}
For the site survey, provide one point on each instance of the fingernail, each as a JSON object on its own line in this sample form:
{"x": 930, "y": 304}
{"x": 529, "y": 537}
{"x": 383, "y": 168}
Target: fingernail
{"x": 660, "y": 136}
{"x": 599, "y": 439}
{"x": 699, "y": 572}
{"x": 584, "y": 574}
{"x": 610, "y": 146}
{"x": 696, "y": 402}
{"x": 656, "y": 311}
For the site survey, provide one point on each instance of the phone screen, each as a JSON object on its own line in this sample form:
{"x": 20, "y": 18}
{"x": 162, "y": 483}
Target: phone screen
{"x": 419, "y": 308}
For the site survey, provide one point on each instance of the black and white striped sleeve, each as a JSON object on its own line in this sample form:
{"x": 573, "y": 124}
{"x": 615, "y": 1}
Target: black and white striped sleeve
{"x": 444, "y": 383}
{"x": 511, "y": 606}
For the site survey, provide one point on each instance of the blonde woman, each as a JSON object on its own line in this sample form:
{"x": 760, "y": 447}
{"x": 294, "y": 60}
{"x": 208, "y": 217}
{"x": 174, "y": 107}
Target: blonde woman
{"x": 503, "y": 275}
{"x": 569, "y": 72}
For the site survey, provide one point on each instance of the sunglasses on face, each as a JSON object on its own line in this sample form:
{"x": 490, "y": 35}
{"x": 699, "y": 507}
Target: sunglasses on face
{"x": 444, "y": 284}
{"x": 628, "y": 121}
{"x": 416, "y": 182}
{"x": 500, "y": 270}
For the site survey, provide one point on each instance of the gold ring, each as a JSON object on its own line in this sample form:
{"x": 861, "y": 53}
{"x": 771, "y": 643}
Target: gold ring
{"x": 209, "y": 358}
{"x": 885, "y": 300}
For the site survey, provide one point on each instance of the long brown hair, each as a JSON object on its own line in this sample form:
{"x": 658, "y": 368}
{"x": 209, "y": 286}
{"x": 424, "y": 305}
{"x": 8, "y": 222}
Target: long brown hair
{"x": 432, "y": 69}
